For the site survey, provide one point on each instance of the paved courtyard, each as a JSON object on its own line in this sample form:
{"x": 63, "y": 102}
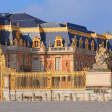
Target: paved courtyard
{"x": 55, "y": 107}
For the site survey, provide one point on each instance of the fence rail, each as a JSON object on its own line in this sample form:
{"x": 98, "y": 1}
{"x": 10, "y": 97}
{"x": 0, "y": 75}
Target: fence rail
{"x": 46, "y": 80}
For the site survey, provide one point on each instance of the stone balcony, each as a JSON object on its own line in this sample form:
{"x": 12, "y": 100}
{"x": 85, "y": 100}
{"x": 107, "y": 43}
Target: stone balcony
{"x": 49, "y": 50}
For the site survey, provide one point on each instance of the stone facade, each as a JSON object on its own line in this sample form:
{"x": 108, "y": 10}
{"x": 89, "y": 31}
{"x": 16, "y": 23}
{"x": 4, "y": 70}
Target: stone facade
{"x": 51, "y": 61}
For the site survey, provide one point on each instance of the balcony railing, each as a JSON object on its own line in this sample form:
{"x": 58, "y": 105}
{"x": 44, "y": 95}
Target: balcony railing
{"x": 52, "y": 49}
{"x": 45, "y": 80}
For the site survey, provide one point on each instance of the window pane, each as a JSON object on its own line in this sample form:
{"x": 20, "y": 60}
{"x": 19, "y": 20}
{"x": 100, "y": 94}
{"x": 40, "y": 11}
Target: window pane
{"x": 36, "y": 64}
{"x": 58, "y": 64}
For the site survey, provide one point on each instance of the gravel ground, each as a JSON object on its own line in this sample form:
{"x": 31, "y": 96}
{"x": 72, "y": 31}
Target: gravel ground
{"x": 55, "y": 107}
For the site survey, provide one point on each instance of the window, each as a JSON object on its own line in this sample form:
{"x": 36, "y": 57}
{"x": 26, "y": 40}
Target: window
{"x": 58, "y": 64}
{"x": 36, "y": 44}
{"x": 80, "y": 43}
{"x": 74, "y": 42}
{"x": 23, "y": 59}
{"x": 92, "y": 45}
{"x": 58, "y": 43}
{"x": 36, "y": 64}
{"x": 87, "y": 44}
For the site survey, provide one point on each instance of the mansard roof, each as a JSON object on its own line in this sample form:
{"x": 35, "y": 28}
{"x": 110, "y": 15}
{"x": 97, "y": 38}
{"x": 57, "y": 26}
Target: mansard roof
{"x": 53, "y": 24}
{"x": 47, "y": 31}
{"x": 78, "y": 28}
{"x": 25, "y": 20}
{"x": 22, "y": 19}
{"x": 4, "y": 20}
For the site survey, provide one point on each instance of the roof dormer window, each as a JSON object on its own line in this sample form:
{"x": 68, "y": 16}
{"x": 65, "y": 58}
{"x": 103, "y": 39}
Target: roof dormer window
{"x": 58, "y": 42}
{"x": 36, "y": 42}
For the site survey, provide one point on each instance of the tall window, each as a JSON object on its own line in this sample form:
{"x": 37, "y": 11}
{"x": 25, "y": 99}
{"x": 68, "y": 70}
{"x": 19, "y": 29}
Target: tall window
{"x": 92, "y": 45}
{"x": 58, "y": 64}
{"x": 23, "y": 59}
{"x": 75, "y": 42}
{"x": 87, "y": 44}
{"x": 36, "y": 64}
{"x": 80, "y": 43}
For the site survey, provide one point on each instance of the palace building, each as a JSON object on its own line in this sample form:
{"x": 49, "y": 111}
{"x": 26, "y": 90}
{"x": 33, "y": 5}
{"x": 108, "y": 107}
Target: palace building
{"x": 40, "y": 60}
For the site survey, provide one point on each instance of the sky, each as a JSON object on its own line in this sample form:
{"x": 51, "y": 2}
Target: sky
{"x": 96, "y": 15}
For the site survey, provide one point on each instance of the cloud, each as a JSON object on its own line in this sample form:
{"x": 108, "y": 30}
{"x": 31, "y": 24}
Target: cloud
{"x": 95, "y": 14}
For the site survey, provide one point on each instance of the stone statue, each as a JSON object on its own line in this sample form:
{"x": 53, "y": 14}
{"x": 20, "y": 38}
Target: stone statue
{"x": 15, "y": 42}
{"x": 102, "y": 57}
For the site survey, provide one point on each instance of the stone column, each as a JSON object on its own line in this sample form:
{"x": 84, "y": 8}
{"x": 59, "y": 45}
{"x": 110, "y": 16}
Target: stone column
{"x": 66, "y": 81}
{"x": 60, "y": 81}
{"x": 6, "y": 87}
{"x": 72, "y": 81}
{"x": 72, "y": 63}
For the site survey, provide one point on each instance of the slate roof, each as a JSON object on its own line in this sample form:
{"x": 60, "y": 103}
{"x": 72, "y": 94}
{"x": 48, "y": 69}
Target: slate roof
{"x": 78, "y": 28}
{"x": 4, "y": 20}
{"x": 25, "y": 20}
{"x": 53, "y": 25}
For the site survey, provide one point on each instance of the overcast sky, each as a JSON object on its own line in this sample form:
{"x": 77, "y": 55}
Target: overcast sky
{"x": 94, "y": 14}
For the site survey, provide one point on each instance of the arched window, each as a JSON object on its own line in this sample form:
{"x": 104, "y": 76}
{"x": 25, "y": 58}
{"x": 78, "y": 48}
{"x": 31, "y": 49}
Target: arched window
{"x": 87, "y": 44}
{"x": 92, "y": 45}
{"x": 36, "y": 42}
{"x": 58, "y": 42}
{"x": 74, "y": 43}
{"x": 80, "y": 43}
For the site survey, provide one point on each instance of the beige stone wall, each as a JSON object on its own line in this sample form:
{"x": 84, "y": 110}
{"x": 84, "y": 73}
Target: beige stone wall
{"x": 99, "y": 79}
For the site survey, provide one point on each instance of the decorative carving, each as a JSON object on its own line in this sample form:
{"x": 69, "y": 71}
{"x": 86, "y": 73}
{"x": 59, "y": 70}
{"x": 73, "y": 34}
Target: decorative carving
{"x": 42, "y": 48}
{"x": 74, "y": 43}
{"x": 21, "y": 42}
{"x": 92, "y": 45}
{"x": 18, "y": 35}
{"x": 87, "y": 44}
{"x": 66, "y": 43}
{"x": 15, "y": 42}
{"x": 80, "y": 43}
{"x": 50, "y": 44}
{"x": 11, "y": 43}
{"x": 102, "y": 57}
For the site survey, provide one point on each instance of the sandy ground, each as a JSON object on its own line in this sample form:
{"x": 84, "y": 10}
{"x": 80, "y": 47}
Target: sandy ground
{"x": 55, "y": 107}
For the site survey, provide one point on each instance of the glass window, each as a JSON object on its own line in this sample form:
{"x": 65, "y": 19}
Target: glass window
{"x": 36, "y": 64}
{"x": 58, "y": 43}
{"x": 36, "y": 44}
{"x": 23, "y": 60}
{"x": 58, "y": 64}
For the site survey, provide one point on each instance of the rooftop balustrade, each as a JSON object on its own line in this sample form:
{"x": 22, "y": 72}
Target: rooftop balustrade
{"x": 49, "y": 50}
